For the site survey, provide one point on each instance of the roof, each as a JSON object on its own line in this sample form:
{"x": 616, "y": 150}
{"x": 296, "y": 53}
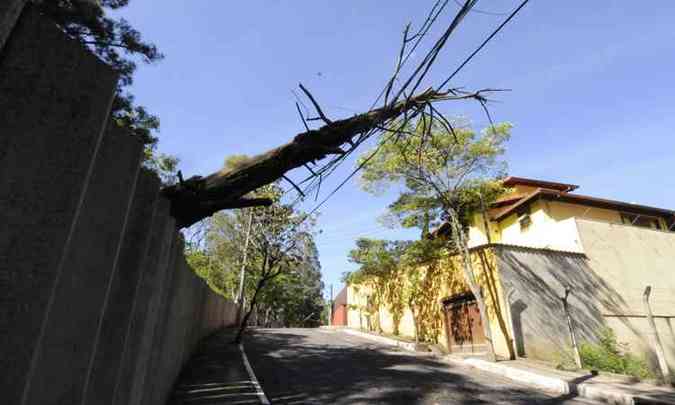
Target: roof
{"x": 553, "y": 191}
{"x": 552, "y": 195}
{"x": 564, "y": 187}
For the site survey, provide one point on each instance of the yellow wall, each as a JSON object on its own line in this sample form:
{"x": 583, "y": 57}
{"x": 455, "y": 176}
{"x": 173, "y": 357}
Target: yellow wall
{"x": 552, "y": 226}
{"x": 443, "y": 281}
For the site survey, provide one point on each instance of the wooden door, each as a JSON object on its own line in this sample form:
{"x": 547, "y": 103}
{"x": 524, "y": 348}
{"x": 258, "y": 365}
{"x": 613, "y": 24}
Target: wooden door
{"x": 463, "y": 325}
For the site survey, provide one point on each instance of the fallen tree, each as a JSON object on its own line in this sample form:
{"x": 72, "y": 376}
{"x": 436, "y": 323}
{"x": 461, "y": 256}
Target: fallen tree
{"x": 199, "y": 197}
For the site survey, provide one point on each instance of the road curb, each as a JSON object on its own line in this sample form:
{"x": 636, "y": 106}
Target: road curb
{"x": 597, "y": 392}
{"x": 549, "y": 384}
{"x": 409, "y": 346}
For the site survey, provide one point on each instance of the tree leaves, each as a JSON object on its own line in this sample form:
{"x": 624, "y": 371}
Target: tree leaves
{"x": 281, "y": 265}
{"x": 118, "y": 44}
{"x": 440, "y": 166}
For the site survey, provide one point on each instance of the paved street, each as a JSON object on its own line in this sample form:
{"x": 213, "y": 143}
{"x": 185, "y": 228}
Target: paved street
{"x": 300, "y": 366}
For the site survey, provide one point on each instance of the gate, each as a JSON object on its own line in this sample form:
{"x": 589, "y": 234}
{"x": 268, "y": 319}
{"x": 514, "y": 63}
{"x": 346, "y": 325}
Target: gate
{"x": 463, "y": 325}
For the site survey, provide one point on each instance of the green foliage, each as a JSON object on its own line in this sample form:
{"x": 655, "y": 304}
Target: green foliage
{"x": 447, "y": 172}
{"x": 612, "y": 356}
{"x": 118, "y": 44}
{"x": 424, "y": 251}
{"x": 166, "y": 166}
{"x": 607, "y": 355}
{"x": 440, "y": 170}
{"x": 376, "y": 258}
{"x": 282, "y": 269}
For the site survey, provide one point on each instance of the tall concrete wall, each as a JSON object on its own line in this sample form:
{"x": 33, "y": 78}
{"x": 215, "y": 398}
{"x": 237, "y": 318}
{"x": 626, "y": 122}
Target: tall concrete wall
{"x": 606, "y": 290}
{"x": 629, "y": 258}
{"x": 51, "y": 130}
{"x": 533, "y": 281}
{"x": 97, "y": 302}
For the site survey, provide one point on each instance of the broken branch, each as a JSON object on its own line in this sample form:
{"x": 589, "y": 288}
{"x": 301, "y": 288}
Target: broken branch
{"x": 316, "y": 105}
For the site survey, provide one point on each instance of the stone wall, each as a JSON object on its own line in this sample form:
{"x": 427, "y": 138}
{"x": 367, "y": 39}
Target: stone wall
{"x": 97, "y": 302}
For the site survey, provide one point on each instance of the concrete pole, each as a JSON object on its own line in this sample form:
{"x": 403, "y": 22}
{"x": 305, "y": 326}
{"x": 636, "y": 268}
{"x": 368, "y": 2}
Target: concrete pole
{"x": 570, "y": 325}
{"x": 240, "y": 295}
{"x": 656, "y": 341}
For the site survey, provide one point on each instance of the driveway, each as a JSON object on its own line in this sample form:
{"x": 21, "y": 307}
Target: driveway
{"x": 321, "y": 366}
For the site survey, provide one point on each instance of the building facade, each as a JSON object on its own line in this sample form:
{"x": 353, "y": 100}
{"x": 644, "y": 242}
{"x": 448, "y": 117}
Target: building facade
{"x": 535, "y": 242}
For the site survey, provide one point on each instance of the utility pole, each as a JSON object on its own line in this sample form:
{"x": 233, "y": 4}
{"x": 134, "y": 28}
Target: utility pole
{"x": 240, "y": 296}
{"x": 570, "y": 325}
{"x": 656, "y": 341}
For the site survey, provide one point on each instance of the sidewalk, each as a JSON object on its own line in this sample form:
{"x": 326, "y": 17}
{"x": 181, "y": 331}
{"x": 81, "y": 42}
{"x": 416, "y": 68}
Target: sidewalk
{"x": 217, "y": 373}
{"x": 611, "y": 389}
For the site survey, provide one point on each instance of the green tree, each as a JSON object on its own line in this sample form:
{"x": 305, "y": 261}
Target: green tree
{"x": 448, "y": 173}
{"x": 282, "y": 272}
{"x": 118, "y": 44}
{"x": 166, "y": 166}
{"x": 380, "y": 264}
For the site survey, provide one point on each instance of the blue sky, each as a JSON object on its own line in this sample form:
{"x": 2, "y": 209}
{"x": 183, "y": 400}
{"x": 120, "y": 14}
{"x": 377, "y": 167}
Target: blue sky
{"x": 591, "y": 100}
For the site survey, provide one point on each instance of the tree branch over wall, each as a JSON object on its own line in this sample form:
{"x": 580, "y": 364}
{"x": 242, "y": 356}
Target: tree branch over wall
{"x": 199, "y": 197}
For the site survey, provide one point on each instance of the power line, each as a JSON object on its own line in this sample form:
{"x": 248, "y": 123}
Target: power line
{"x": 481, "y": 11}
{"x": 485, "y": 42}
{"x": 461, "y": 66}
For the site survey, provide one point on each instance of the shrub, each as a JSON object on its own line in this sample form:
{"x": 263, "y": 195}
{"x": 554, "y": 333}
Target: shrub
{"x": 612, "y": 356}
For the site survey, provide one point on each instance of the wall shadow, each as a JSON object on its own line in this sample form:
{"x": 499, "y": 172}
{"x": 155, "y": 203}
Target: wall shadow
{"x": 535, "y": 279}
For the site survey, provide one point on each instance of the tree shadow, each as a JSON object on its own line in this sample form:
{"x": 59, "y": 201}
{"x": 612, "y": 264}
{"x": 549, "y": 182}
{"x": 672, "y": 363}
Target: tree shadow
{"x": 534, "y": 281}
{"x": 297, "y": 367}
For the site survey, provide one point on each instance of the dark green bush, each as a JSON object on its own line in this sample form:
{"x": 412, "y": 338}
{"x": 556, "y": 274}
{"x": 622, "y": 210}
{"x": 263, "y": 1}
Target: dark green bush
{"x": 612, "y": 356}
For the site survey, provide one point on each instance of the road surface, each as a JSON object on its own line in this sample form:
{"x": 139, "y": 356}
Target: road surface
{"x": 321, "y": 366}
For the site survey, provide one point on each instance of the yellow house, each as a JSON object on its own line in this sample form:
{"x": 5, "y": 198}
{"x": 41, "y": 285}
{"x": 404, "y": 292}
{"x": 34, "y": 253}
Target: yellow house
{"x": 532, "y": 244}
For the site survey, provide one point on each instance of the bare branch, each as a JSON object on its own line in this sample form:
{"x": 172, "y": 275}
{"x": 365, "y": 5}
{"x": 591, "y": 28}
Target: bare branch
{"x": 302, "y": 117}
{"x": 316, "y": 105}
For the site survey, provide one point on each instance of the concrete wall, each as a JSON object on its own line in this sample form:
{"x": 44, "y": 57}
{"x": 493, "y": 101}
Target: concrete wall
{"x": 533, "y": 281}
{"x": 97, "y": 302}
{"x": 607, "y": 283}
{"x": 629, "y": 258}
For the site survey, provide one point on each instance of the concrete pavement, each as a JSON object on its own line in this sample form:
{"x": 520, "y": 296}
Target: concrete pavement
{"x": 320, "y": 366}
{"x": 216, "y": 374}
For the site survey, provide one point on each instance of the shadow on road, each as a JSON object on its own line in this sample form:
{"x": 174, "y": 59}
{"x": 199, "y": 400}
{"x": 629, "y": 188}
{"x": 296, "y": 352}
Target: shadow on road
{"x": 314, "y": 366}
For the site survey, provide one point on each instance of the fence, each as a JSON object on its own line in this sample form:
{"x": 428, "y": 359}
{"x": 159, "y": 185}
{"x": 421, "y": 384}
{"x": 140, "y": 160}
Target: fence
{"x": 97, "y": 302}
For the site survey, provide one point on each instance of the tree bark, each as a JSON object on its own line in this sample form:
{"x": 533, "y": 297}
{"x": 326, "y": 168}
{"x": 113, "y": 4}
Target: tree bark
{"x": 244, "y": 322}
{"x": 199, "y": 197}
{"x": 460, "y": 243}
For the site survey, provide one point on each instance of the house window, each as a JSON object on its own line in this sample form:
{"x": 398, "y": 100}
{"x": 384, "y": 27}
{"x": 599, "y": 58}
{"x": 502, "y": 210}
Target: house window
{"x": 644, "y": 221}
{"x": 524, "y": 221}
{"x": 524, "y": 218}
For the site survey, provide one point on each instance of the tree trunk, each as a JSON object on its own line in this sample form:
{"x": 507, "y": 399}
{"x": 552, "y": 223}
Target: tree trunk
{"x": 460, "y": 243}
{"x": 492, "y": 288}
{"x": 267, "y": 317}
{"x": 415, "y": 323}
{"x": 199, "y": 197}
{"x": 244, "y": 322}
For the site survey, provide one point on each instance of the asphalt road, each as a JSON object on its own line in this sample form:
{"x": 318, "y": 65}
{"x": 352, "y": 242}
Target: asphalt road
{"x": 320, "y": 366}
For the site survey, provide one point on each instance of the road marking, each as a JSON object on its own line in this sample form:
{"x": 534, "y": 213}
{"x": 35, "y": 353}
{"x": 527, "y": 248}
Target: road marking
{"x": 256, "y": 384}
